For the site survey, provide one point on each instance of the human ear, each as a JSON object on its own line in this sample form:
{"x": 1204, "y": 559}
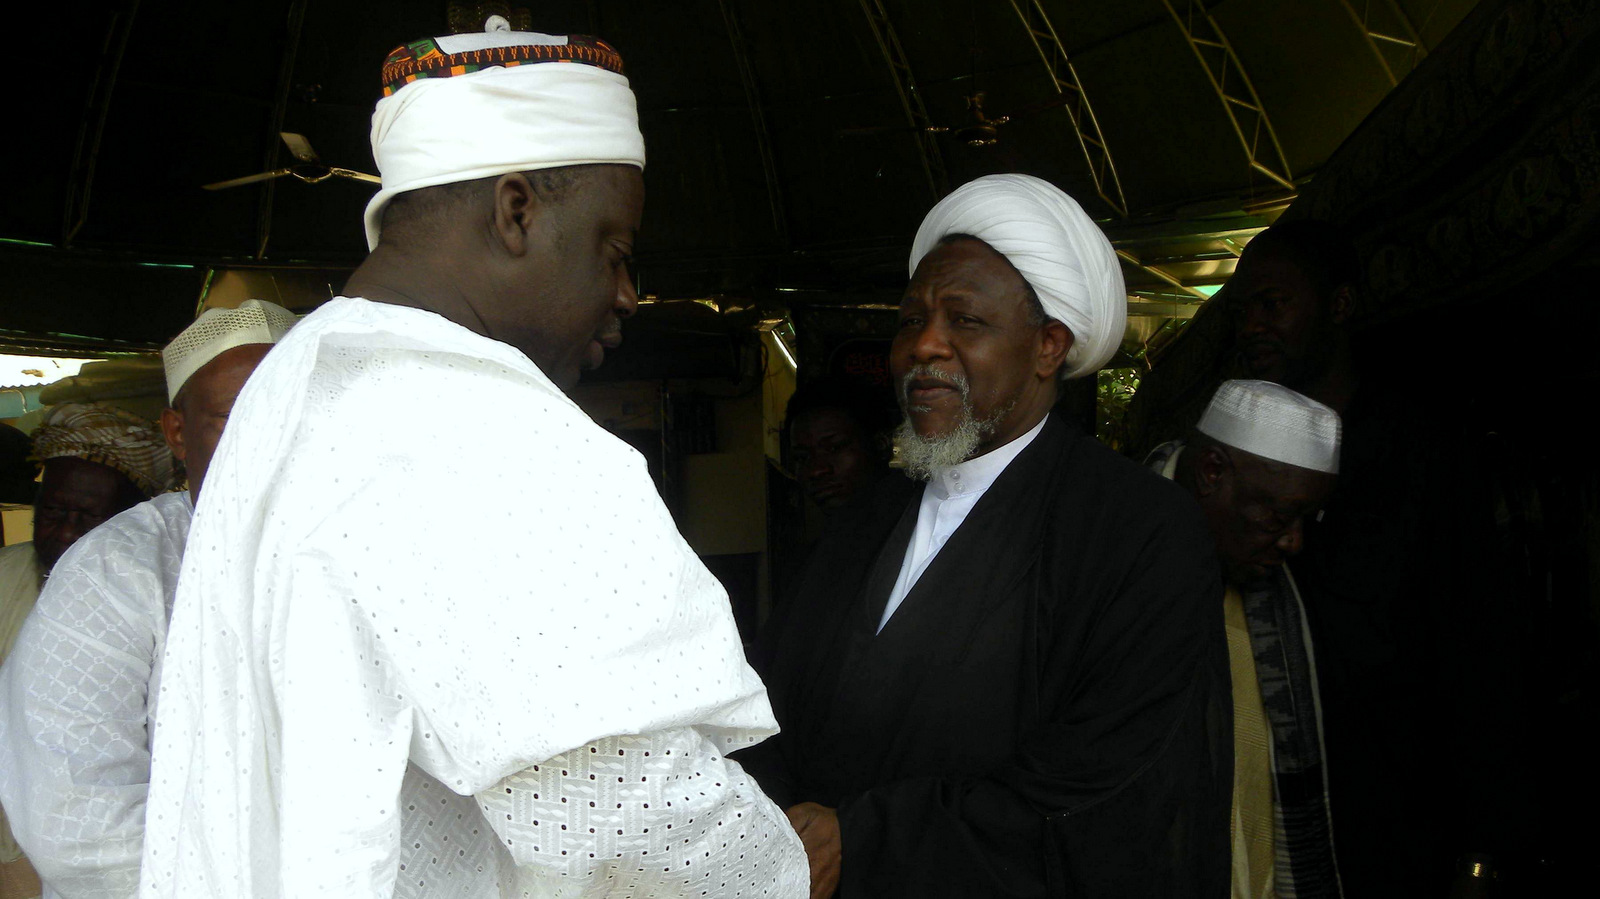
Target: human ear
{"x": 516, "y": 206}
{"x": 172, "y": 429}
{"x": 1055, "y": 340}
{"x": 1212, "y": 470}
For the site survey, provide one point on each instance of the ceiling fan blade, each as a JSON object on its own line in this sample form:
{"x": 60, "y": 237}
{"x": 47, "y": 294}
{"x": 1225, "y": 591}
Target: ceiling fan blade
{"x": 886, "y": 129}
{"x": 299, "y": 147}
{"x": 355, "y": 175}
{"x": 248, "y": 179}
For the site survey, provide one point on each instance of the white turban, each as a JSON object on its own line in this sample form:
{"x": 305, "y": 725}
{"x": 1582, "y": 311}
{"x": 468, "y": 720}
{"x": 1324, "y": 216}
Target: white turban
{"x": 1274, "y": 422}
{"x": 218, "y": 330}
{"x": 471, "y": 106}
{"x": 1059, "y": 250}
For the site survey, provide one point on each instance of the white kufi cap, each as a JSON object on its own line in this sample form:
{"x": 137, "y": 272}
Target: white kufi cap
{"x": 468, "y": 106}
{"x": 1273, "y": 422}
{"x": 1060, "y": 251}
{"x": 218, "y": 330}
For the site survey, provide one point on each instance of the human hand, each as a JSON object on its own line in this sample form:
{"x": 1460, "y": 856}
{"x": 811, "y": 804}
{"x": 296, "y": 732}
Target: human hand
{"x": 818, "y": 828}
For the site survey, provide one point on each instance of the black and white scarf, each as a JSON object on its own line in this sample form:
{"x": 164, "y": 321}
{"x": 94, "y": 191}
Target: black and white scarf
{"x": 1304, "y": 867}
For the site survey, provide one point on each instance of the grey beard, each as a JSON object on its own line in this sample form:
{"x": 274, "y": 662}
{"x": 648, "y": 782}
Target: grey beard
{"x": 926, "y": 456}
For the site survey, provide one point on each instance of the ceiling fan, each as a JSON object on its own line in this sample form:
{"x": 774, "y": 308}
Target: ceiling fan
{"x": 307, "y": 167}
{"x": 980, "y": 129}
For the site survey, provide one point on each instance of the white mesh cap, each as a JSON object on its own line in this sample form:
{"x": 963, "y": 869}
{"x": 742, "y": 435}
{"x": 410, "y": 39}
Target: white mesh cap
{"x": 218, "y": 330}
{"x": 1273, "y": 422}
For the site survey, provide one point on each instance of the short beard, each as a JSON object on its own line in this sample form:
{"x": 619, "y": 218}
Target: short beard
{"x": 926, "y": 456}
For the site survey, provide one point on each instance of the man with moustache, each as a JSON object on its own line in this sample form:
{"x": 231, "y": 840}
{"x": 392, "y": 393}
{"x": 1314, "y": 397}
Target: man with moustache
{"x": 78, "y": 693}
{"x": 525, "y": 682}
{"x": 1013, "y": 683}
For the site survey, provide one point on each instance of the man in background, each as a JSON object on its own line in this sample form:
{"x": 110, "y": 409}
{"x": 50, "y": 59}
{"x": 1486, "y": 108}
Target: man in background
{"x": 1262, "y": 460}
{"x": 1419, "y": 662}
{"x": 98, "y": 461}
{"x": 78, "y": 694}
{"x": 837, "y": 437}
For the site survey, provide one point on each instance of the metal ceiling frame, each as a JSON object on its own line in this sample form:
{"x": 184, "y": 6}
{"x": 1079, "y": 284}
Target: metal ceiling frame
{"x": 280, "y": 106}
{"x": 1215, "y": 53}
{"x": 1398, "y": 33}
{"x": 1160, "y": 274}
{"x": 905, "y": 83}
{"x": 93, "y": 127}
{"x": 758, "y": 117}
{"x": 1064, "y": 77}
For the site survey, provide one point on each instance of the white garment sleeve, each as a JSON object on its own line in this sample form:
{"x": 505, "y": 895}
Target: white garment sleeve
{"x": 493, "y": 650}
{"x": 74, "y": 752}
{"x": 661, "y": 814}
{"x": 409, "y": 651}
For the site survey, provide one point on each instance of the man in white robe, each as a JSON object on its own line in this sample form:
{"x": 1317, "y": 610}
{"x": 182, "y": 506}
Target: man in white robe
{"x": 78, "y": 692}
{"x": 97, "y": 461}
{"x": 436, "y": 633}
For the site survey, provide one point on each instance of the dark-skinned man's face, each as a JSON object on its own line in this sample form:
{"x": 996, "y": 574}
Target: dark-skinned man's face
{"x": 832, "y": 458}
{"x": 573, "y": 287}
{"x": 193, "y": 426}
{"x": 1283, "y": 324}
{"x": 1257, "y": 509}
{"x": 76, "y": 496}
{"x": 967, "y": 316}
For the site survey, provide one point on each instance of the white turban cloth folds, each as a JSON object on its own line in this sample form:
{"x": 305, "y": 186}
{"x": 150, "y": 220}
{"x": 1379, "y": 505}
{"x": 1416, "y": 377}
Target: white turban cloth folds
{"x": 1052, "y": 242}
{"x": 497, "y": 121}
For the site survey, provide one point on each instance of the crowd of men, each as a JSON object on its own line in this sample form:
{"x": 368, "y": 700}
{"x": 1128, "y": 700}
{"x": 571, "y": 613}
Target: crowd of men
{"x": 1031, "y": 668}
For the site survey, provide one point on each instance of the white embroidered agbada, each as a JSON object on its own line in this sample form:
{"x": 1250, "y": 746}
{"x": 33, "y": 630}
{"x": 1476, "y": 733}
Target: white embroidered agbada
{"x": 75, "y": 709}
{"x": 437, "y": 635}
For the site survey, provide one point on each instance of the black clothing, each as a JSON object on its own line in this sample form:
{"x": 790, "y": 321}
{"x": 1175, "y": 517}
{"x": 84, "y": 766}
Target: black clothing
{"x": 1047, "y": 713}
{"x": 1418, "y": 658}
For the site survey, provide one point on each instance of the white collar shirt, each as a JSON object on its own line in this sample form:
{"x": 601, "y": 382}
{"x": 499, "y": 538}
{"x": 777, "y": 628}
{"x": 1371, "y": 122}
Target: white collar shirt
{"x": 946, "y": 501}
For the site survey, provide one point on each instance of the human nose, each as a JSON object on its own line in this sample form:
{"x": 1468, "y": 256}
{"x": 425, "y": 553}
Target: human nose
{"x": 930, "y": 343}
{"x": 627, "y": 295}
{"x": 1293, "y": 539}
{"x": 816, "y": 465}
{"x": 72, "y": 527}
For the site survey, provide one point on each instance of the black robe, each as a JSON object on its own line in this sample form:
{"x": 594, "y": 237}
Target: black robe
{"x": 1046, "y": 714}
{"x": 1433, "y": 740}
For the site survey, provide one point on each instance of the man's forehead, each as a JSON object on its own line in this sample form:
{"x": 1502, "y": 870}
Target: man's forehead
{"x": 1268, "y": 266}
{"x": 968, "y": 265}
{"x": 1279, "y": 480}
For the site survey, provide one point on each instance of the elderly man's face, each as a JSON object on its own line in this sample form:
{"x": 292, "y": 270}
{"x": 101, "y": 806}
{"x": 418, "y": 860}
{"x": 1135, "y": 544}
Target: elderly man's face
{"x": 193, "y": 427}
{"x": 1257, "y": 509}
{"x": 970, "y": 350}
{"x": 1282, "y": 322}
{"x": 572, "y": 287}
{"x": 76, "y": 496}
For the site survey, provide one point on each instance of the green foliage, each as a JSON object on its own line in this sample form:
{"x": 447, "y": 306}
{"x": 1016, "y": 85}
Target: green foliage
{"x": 1114, "y": 389}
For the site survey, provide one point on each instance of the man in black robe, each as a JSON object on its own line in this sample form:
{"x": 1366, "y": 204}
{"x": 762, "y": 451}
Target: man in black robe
{"x": 1012, "y": 681}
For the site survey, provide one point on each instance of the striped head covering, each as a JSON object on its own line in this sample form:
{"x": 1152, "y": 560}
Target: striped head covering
{"x": 468, "y": 106}
{"x": 95, "y": 432}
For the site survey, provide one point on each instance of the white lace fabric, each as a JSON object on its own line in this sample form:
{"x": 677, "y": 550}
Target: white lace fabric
{"x": 74, "y": 710}
{"x": 431, "y": 615}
